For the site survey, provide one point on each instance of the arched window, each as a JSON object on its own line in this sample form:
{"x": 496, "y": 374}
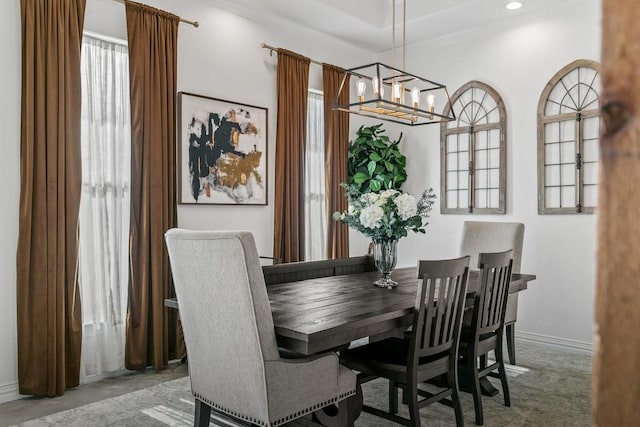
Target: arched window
{"x": 472, "y": 152}
{"x": 568, "y": 137}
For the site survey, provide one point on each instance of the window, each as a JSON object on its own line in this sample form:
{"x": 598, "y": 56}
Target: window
{"x": 315, "y": 193}
{"x": 568, "y": 137}
{"x": 472, "y": 152}
{"x": 104, "y": 204}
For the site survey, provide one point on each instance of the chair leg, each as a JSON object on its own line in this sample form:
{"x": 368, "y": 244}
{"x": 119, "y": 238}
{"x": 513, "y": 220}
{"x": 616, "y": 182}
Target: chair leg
{"x": 202, "y": 415}
{"x": 393, "y": 397}
{"x": 505, "y": 384}
{"x": 502, "y": 373}
{"x": 455, "y": 398}
{"x": 355, "y": 403}
{"x": 411, "y": 391}
{"x": 345, "y": 416}
{"x": 475, "y": 390}
{"x": 510, "y": 330}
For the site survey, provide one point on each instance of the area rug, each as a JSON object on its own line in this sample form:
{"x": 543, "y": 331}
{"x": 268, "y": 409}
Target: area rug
{"x": 547, "y": 389}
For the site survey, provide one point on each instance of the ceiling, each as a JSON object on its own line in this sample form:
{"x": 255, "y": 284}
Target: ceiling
{"x": 368, "y": 23}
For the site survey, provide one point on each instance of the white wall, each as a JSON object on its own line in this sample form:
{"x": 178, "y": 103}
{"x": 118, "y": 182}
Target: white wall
{"x": 222, "y": 58}
{"x": 517, "y": 58}
{"x": 10, "y": 192}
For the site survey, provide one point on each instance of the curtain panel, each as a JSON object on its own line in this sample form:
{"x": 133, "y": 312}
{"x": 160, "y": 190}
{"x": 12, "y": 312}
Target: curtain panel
{"x": 152, "y": 336}
{"x": 336, "y": 134}
{"x": 48, "y": 303}
{"x": 288, "y": 227}
{"x": 104, "y": 206}
{"x": 314, "y": 202}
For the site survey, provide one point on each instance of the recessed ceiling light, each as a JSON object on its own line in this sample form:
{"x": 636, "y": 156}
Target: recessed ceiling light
{"x": 513, "y": 5}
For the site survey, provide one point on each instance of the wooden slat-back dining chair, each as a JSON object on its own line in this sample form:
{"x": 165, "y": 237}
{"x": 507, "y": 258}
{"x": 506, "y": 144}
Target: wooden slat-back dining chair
{"x": 485, "y": 330}
{"x": 234, "y": 364}
{"x": 494, "y": 236}
{"x": 430, "y": 351}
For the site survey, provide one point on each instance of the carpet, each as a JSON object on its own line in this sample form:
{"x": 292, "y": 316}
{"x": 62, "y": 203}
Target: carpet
{"x": 548, "y": 388}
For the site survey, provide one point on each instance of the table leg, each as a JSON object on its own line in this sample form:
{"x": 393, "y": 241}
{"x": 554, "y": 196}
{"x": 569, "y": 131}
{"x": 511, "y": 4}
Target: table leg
{"x": 465, "y": 383}
{"x": 487, "y": 388}
{"x": 344, "y": 414}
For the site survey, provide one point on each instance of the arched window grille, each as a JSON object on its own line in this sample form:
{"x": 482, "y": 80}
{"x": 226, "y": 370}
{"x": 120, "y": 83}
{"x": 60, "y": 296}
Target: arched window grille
{"x": 473, "y": 152}
{"x": 568, "y": 138}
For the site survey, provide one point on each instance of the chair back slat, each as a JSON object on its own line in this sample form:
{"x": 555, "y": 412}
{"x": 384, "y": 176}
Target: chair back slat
{"x": 491, "y": 297}
{"x": 439, "y": 306}
{"x": 427, "y": 318}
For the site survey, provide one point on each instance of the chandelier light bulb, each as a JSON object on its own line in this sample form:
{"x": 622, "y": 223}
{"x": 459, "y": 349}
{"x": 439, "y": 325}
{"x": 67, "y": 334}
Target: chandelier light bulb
{"x": 431, "y": 101}
{"x": 397, "y": 92}
{"x": 377, "y": 88}
{"x": 415, "y": 97}
{"x": 361, "y": 87}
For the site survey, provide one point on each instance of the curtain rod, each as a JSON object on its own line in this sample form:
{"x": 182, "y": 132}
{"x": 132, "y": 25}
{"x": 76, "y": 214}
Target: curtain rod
{"x": 275, "y": 49}
{"x": 186, "y": 21}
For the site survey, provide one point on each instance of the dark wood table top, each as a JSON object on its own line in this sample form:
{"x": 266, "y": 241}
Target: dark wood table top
{"x": 316, "y": 315}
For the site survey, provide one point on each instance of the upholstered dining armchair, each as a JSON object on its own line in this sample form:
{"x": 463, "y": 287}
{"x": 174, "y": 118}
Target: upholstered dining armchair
{"x": 485, "y": 236}
{"x": 234, "y": 364}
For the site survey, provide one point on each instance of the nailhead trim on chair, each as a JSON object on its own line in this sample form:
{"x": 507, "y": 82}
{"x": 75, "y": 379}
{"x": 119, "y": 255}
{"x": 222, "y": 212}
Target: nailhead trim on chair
{"x": 229, "y": 412}
{"x": 278, "y": 421}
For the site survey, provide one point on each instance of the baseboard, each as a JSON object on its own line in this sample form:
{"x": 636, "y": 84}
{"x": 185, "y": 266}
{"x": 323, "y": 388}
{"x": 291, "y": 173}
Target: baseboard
{"x": 9, "y": 392}
{"x": 556, "y": 343}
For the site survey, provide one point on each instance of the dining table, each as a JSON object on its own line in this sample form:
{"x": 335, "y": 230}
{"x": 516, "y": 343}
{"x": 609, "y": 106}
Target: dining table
{"x": 339, "y": 305}
{"x": 327, "y": 313}
{"x": 330, "y": 312}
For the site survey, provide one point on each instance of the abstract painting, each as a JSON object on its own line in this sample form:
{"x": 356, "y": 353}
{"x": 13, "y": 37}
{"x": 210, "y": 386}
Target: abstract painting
{"x": 222, "y": 151}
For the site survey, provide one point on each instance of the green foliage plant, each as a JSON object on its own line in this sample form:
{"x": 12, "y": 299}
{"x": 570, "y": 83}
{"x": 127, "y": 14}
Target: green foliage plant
{"x": 375, "y": 162}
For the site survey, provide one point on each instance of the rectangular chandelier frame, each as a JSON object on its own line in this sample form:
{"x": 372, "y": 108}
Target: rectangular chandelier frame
{"x": 411, "y": 100}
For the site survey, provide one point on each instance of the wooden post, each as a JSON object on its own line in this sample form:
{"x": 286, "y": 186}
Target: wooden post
{"x": 616, "y": 380}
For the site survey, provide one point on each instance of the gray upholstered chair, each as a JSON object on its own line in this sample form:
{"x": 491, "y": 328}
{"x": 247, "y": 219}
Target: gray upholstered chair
{"x": 484, "y": 236}
{"x": 234, "y": 363}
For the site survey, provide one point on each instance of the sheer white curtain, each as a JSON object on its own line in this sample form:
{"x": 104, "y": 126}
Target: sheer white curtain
{"x": 314, "y": 200}
{"x": 104, "y": 205}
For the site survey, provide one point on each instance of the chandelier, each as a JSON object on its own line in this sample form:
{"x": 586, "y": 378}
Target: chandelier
{"x": 388, "y": 93}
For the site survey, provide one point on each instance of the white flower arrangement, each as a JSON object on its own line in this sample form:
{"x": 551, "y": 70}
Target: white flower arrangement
{"x": 388, "y": 215}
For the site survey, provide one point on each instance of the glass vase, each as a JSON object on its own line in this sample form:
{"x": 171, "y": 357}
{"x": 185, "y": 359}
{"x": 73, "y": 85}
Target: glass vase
{"x": 385, "y": 257}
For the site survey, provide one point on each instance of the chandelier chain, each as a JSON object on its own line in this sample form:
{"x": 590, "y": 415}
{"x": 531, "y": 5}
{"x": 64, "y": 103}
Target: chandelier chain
{"x": 404, "y": 31}
{"x": 393, "y": 33}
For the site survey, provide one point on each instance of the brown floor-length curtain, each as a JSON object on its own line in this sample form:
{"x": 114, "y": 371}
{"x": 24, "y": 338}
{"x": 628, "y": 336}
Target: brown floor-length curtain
{"x": 48, "y": 302}
{"x": 151, "y": 337}
{"x": 336, "y": 140}
{"x": 288, "y": 227}
{"x": 616, "y": 369}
